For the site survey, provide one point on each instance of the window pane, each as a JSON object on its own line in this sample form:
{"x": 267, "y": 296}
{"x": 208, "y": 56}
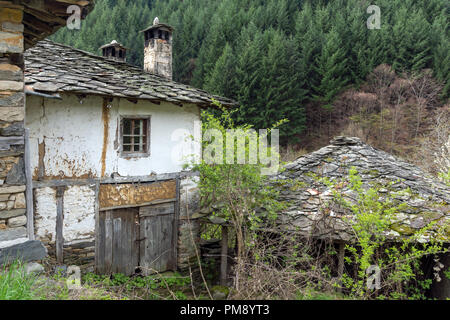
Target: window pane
{"x": 127, "y": 148}
{"x": 135, "y": 135}
{"x": 126, "y": 126}
{"x": 137, "y": 127}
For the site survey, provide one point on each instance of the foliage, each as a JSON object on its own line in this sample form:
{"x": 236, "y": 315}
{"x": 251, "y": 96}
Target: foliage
{"x": 374, "y": 217}
{"x": 150, "y": 287}
{"x": 275, "y": 56}
{"x": 235, "y": 192}
{"x": 15, "y": 284}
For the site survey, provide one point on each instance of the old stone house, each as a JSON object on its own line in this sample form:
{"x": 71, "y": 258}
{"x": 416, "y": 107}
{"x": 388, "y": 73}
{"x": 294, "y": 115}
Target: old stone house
{"x": 103, "y": 171}
{"x": 311, "y": 211}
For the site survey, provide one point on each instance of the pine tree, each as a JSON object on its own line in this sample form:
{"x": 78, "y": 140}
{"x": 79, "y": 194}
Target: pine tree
{"x": 331, "y": 67}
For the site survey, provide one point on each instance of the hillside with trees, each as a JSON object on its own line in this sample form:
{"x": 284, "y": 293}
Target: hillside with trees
{"x": 280, "y": 58}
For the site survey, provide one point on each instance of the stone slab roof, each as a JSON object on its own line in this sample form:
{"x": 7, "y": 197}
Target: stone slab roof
{"x": 52, "y": 68}
{"x": 309, "y": 209}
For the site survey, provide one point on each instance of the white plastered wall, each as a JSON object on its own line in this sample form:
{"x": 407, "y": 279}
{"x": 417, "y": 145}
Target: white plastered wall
{"x": 67, "y": 142}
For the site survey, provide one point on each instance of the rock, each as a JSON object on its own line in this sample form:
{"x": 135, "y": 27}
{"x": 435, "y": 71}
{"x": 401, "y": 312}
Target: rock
{"x": 220, "y": 292}
{"x": 20, "y": 202}
{"x": 17, "y": 221}
{"x": 9, "y": 205}
{"x": 14, "y": 129}
{"x": 12, "y": 213}
{"x": 216, "y": 220}
{"x": 17, "y": 174}
{"x": 11, "y": 234}
{"x": 11, "y": 85}
{"x": 34, "y": 268}
{"x": 32, "y": 250}
{"x": 12, "y": 189}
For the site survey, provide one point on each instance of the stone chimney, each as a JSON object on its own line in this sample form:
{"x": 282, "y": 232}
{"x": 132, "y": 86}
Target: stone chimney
{"x": 158, "y": 49}
{"x": 114, "y": 51}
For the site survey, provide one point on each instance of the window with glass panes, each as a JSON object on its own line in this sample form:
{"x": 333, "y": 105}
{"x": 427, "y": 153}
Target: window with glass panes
{"x": 135, "y": 135}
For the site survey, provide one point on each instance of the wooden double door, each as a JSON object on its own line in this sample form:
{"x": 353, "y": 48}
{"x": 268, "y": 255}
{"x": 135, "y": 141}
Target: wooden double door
{"x": 137, "y": 240}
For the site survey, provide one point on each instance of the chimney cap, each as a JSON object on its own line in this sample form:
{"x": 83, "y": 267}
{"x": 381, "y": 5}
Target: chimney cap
{"x": 156, "y": 24}
{"x": 113, "y": 43}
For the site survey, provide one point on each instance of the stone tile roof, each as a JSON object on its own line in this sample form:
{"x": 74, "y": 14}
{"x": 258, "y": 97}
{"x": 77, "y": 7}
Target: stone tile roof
{"x": 52, "y": 68}
{"x": 309, "y": 199}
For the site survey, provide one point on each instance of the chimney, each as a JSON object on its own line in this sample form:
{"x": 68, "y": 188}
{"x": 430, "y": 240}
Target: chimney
{"x": 158, "y": 49}
{"x": 114, "y": 51}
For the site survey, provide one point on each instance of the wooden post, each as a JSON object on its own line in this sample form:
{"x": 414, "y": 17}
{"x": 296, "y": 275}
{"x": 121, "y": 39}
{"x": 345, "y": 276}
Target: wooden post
{"x": 224, "y": 257}
{"x": 341, "y": 254}
{"x": 29, "y": 190}
{"x": 176, "y": 225}
{"x": 59, "y": 224}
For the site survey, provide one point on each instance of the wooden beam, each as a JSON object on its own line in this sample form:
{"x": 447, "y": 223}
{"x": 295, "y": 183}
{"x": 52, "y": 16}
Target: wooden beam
{"x": 29, "y": 183}
{"x": 176, "y": 226}
{"x": 139, "y": 205}
{"x": 224, "y": 257}
{"x": 60, "y": 224}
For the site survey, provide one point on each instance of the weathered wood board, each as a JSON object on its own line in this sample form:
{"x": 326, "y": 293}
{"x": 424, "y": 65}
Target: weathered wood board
{"x": 118, "y": 248}
{"x": 129, "y": 195}
{"x": 157, "y": 225}
{"x": 133, "y": 238}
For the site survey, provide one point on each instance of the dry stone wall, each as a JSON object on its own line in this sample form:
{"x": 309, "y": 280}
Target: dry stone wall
{"x": 13, "y": 218}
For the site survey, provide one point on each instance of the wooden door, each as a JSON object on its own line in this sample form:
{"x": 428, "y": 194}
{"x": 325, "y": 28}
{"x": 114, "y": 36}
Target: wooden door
{"x": 158, "y": 238}
{"x": 118, "y": 247}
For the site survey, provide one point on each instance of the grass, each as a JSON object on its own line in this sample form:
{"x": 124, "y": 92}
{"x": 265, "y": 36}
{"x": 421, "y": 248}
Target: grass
{"x": 15, "y": 284}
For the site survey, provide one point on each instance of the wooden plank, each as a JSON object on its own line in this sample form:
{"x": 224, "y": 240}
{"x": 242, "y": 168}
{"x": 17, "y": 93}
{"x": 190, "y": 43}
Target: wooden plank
{"x": 139, "y": 205}
{"x": 29, "y": 190}
{"x": 117, "y": 254}
{"x": 156, "y": 210}
{"x": 116, "y": 180}
{"x": 115, "y": 195}
{"x": 108, "y": 242}
{"x": 166, "y": 249}
{"x": 128, "y": 241}
{"x": 135, "y": 246}
{"x": 59, "y": 224}
{"x": 100, "y": 245}
{"x": 143, "y": 246}
{"x": 99, "y": 235}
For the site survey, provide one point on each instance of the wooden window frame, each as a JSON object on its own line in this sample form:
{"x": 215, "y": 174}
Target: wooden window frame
{"x": 134, "y": 154}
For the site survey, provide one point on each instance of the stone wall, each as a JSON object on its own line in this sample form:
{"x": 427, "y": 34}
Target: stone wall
{"x": 12, "y": 112}
{"x": 158, "y": 57}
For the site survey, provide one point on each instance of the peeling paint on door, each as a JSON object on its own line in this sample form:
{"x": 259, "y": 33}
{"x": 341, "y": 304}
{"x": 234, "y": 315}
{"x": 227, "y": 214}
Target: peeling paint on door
{"x": 122, "y": 195}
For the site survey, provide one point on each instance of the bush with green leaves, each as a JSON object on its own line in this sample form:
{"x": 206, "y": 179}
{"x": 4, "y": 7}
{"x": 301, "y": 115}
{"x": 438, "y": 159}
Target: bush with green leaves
{"x": 236, "y": 193}
{"x": 374, "y": 217}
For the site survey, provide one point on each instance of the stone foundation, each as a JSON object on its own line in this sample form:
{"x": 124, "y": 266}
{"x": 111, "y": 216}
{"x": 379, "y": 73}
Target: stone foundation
{"x": 80, "y": 254}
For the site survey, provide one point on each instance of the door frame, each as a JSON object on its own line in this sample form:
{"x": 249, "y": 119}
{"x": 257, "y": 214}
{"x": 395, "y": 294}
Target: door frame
{"x": 176, "y": 220}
